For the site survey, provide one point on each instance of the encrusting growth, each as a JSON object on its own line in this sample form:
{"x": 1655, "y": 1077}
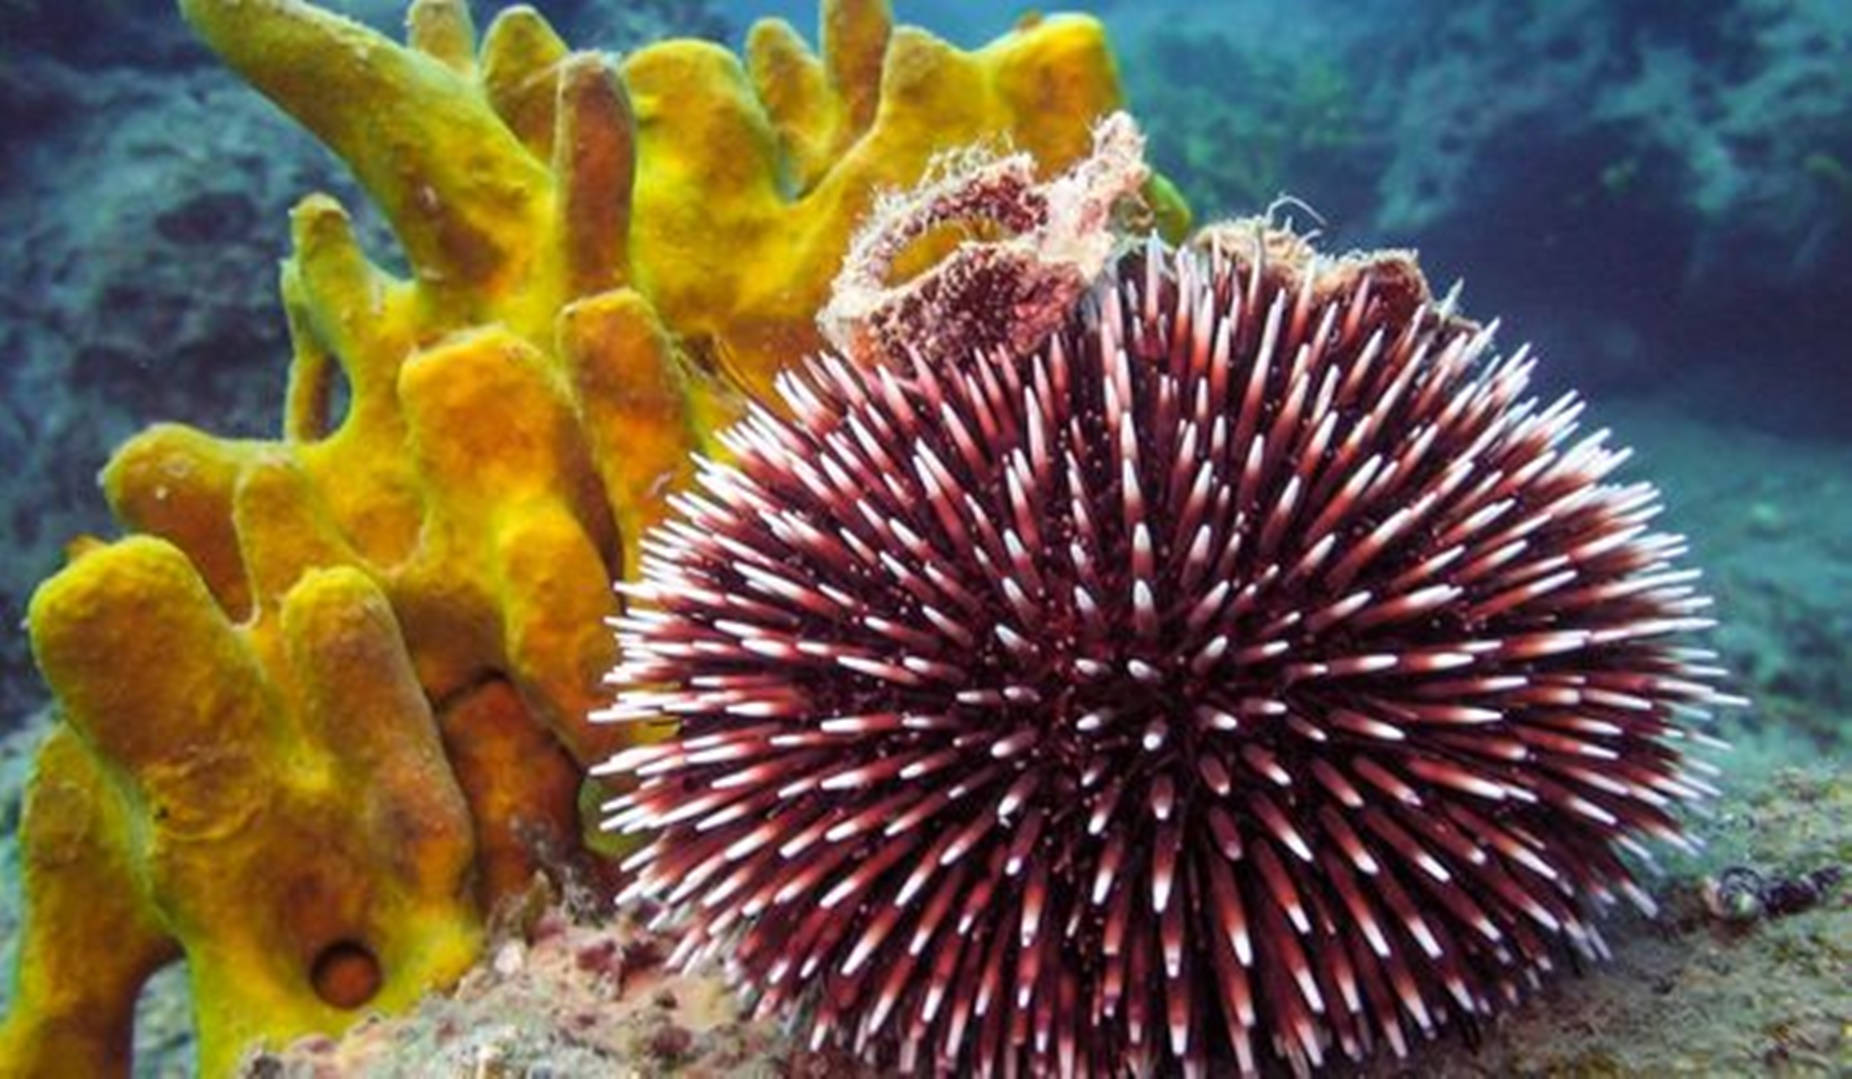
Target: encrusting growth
{"x": 1008, "y": 292}
{"x": 1248, "y": 672}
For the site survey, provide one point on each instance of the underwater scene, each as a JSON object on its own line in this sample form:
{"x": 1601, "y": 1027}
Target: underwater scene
{"x": 865, "y": 537}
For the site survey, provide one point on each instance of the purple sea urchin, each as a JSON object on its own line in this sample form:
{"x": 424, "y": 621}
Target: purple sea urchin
{"x": 1251, "y": 671}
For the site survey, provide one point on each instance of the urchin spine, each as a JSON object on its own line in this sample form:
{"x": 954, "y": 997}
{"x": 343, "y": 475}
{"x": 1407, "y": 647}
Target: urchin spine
{"x": 1252, "y": 663}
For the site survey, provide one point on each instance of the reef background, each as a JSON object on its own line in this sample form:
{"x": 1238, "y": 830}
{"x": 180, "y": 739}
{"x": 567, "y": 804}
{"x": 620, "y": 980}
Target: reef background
{"x": 1657, "y": 195}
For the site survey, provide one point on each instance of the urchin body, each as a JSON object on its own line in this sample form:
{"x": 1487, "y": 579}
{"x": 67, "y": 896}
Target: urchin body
{"x": 1250, "y": 672}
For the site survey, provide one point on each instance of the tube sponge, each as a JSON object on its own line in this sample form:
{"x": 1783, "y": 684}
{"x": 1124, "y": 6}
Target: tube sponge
{"x": 274, "y": 797}
{"x": 328, "y": 703}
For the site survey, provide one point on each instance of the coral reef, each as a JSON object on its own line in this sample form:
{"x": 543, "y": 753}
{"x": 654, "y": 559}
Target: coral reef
{"x": 1652, "y": 187}
{"x": 1735, "y": 97}
{"x": 1646, "y": 149}
{"x": 602, "y": 264}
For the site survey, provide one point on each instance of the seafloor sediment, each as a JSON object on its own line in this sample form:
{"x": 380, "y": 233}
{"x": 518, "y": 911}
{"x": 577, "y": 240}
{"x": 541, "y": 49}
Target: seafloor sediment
{"x": 1700, "y": 992}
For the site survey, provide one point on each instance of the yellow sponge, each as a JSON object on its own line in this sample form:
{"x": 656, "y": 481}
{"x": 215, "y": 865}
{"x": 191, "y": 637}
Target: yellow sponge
{"x": 330, "y": 704}
{"x": 271, "y": 798}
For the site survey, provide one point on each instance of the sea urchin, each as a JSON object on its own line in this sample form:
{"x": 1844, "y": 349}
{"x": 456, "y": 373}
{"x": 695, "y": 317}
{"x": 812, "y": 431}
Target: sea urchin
{"x": 1251, "y": 672}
